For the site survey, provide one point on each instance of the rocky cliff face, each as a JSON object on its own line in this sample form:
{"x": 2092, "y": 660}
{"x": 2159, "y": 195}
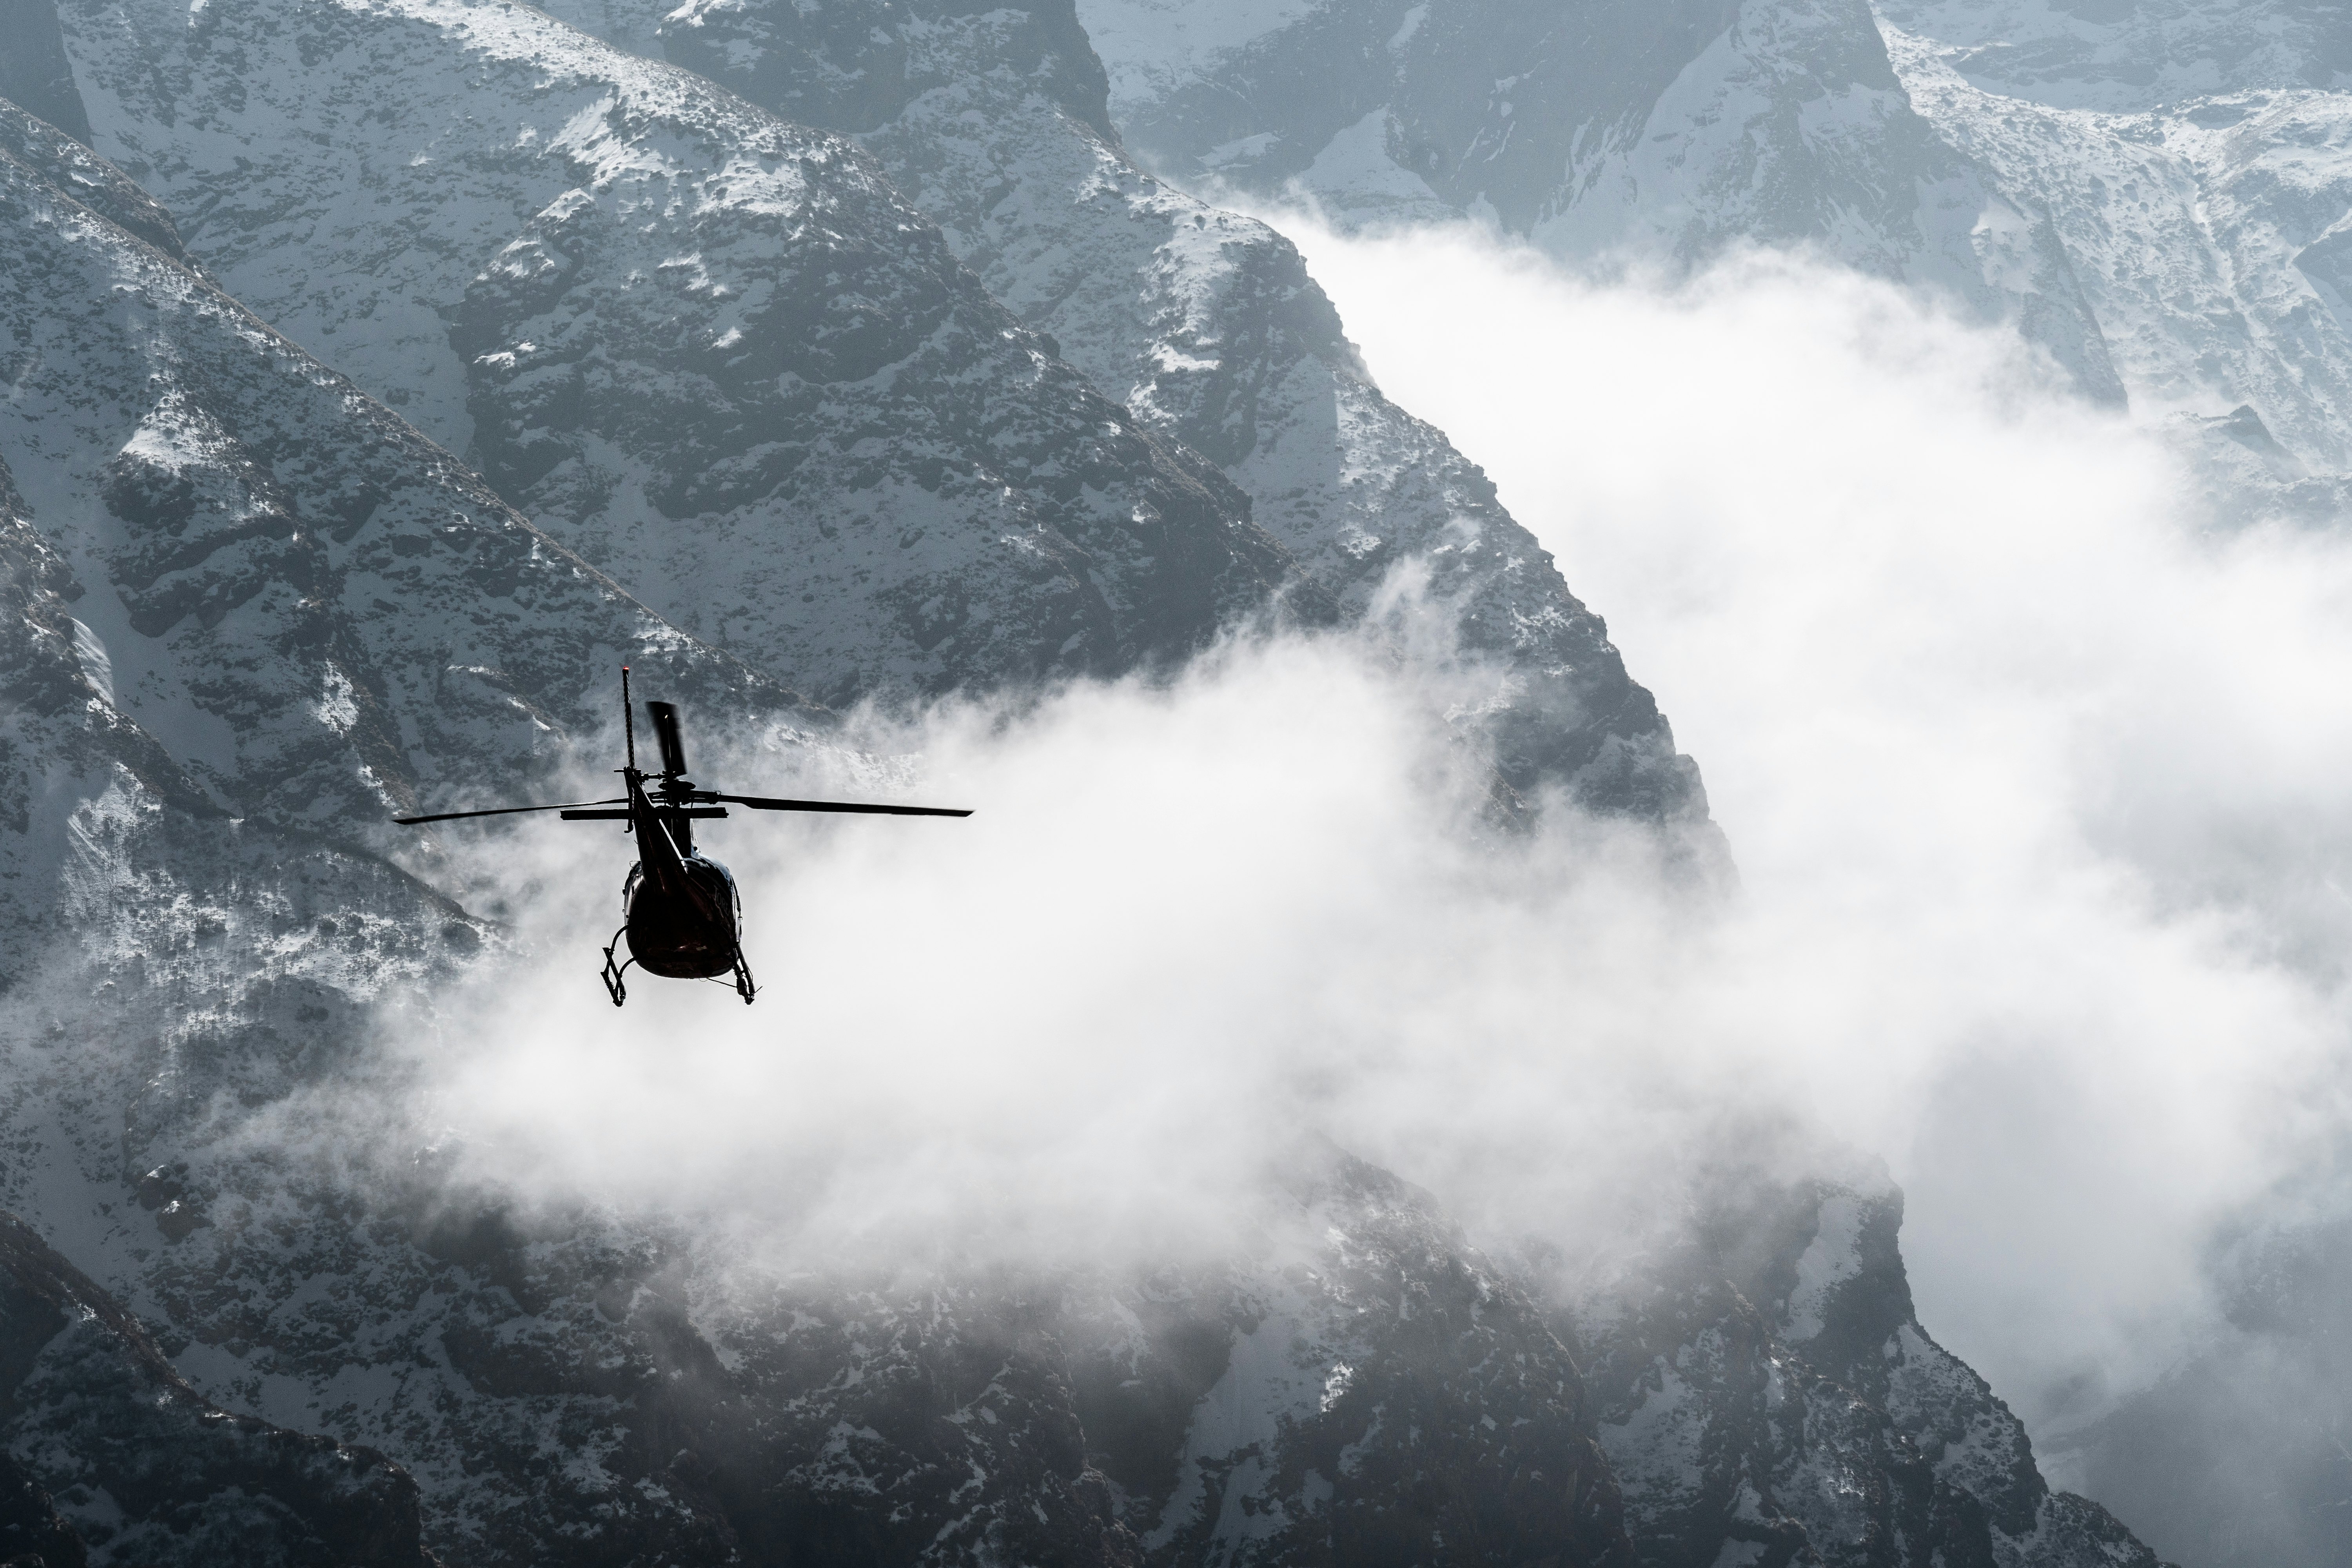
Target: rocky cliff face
{"x": 2196, "y": 165}
{"x": 2150, "y": 191}
{"x": 625, "y": 384}
{"x": 134, "y": 1465}
{"x": 713, "y": 351}
{"x": 2137, "y": 55}
{"x": 250, "y": 610}
{"x": 1768, "y": 1395}
{"x": 1662, "y": 133}
{"x": 253, "y": 610}
{"x": 1205, "y": 324}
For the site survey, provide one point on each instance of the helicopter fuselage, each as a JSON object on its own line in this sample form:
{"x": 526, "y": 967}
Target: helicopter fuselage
{"x": 684, "y": 916}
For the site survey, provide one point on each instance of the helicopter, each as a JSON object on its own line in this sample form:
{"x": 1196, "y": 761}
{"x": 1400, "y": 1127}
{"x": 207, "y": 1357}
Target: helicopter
{"x": 680, "y": 912}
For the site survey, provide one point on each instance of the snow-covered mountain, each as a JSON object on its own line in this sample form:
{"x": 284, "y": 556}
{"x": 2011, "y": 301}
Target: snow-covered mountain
{"x": 2198, "y": 168}
{"x": 2153, "y": 191}
{"x": 1012, "y": 527}
{"x": 252, "y": 602}
{"x": 2184, "y": 167}
{"x": 2137, "y": 55}
{"x": 970, "y": 400}
{"x": 713, "y": 351}
{"x": 1660, "y": 134}
{"x": 1767, "y": 1393}
{"x": 252, "y": 610}
{"x": 1205, "y": 324}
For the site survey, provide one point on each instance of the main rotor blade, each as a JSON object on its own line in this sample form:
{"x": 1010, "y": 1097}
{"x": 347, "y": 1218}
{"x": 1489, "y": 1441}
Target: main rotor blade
{"x": 504, "y": 811}
{"x": 759, "y": 803}
{"x": 665, "y": 730}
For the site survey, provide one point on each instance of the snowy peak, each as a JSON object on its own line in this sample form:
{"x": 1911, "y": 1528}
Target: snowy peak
{"x": 2209, "y": 238}
{"x": 855, "y": 67}
{"x": 1768, "y": 1390}
{"x": 1665, "y": 133}
{"x": 1207, "y": 328}
{"x": 2136, "y": 53}
{"x": 712, "y": 350}
{"x": 316, "y": 612}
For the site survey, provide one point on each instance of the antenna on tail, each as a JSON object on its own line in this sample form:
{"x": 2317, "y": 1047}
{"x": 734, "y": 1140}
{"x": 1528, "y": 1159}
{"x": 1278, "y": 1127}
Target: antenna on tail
{"x": 629, "y": 720}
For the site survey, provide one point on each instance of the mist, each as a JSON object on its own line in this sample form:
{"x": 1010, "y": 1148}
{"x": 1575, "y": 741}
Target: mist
{"x": 2030, "y": 774}
{"x": 2033, "y": 768}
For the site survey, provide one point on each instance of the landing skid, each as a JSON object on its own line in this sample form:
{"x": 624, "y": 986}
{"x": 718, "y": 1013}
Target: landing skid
{"x": 612, "y": 976}
{"x": 620, "y": 993}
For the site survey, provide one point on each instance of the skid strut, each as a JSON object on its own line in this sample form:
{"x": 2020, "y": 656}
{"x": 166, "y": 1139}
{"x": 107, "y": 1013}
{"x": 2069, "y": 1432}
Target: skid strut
{"x": 612, "y": 976}
{"x": 743, "y": 986}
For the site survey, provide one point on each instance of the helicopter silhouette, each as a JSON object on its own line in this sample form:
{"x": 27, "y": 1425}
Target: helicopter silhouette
{"x": 680, "y": 912}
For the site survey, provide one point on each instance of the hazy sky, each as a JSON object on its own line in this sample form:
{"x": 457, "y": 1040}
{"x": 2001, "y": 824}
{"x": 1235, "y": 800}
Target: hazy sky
{"x": 2034, "y": 789}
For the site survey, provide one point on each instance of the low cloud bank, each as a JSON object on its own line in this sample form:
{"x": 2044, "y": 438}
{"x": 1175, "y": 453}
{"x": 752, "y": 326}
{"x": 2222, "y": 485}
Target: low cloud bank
{"x": 2033, "y": 783}
{"x": 2035, "y": 772}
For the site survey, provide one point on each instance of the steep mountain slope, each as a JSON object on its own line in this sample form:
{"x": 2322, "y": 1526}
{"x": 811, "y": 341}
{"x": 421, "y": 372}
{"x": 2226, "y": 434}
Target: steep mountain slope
{"x": 713, "y": 351}
{"x": 1768, "y": 1394}
{"x": 287, "y": 609}
{"x": 197, "y": 1101}
{"x": 2137, "y": 55}
{"x": 246, "y": 611}
{"x": 2070, "y": 169}
{"x": 2214, "y": 236}
{"x": 144, "y": 1469}
{"x": 764, "y": 514}
{"x": 251, "y": 607}
{"x": 1667, "y": 133}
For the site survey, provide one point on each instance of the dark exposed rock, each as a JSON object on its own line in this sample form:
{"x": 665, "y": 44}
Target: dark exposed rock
{"x": 33, "y": 1533}
{"x": 87, "y": 177}
{"x": 1767, "y": 1391}
{"x": 281, "y": 558}
{"x": 993, "y": 120}
{"x": 147, "y": 1469}
{"x": 781, "y": 413}
{"x": 34, "y": 71}
{"x": 1359, "y": 1385}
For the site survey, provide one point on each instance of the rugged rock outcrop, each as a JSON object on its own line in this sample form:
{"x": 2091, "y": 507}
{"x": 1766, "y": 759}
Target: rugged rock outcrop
{"x": 1663, "y": 134}
{"x": 112, "y": 1459}
{"x": 2137, "y": 54}
{"x": 2209, "y": 231}
{"x": 713, "y": 351}
{"x": 1766, "y": 1394}
{"x": 321, "y": 612}
{"x": 693, "y": 404}
{"x": 88, "y": 178}
{"x": 2154, "y": 191}
{"x": 1206, "y": 325}
{"x": 248, "y": 607}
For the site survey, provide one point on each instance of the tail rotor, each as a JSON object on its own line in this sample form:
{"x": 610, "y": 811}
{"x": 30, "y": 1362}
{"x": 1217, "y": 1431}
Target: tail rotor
{"x": 673, "y": 742}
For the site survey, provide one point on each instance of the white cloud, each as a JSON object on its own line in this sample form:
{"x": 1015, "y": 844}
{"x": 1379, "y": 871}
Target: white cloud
{"x": 2037, "y": 779}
